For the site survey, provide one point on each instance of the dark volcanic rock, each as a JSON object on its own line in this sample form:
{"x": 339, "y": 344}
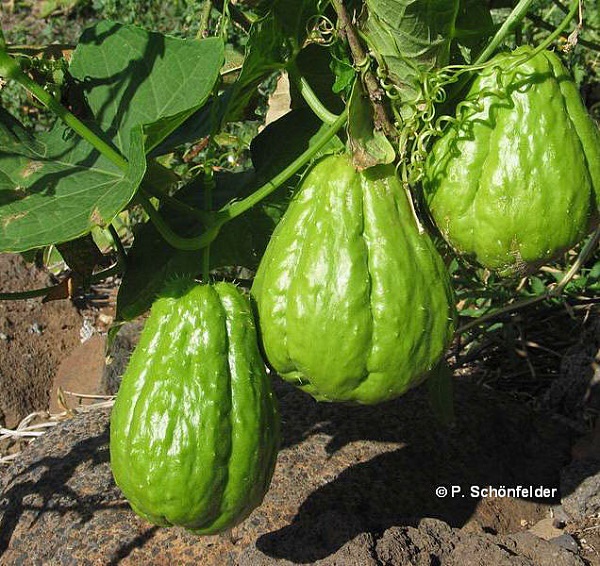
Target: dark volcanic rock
{"x": 580, "y": 482}
{"x": 353, "y": 485}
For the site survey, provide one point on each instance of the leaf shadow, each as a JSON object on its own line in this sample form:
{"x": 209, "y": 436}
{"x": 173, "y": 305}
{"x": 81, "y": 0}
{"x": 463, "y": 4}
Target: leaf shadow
{"x": 124, "y": 84}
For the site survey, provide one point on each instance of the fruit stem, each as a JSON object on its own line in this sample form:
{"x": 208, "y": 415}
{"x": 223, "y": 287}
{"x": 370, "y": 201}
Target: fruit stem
{"x": 233, "y": 210}
{"x": 514, "y": 18}
{"x": 309, "y": 95}
{"x": 362, "y": 62}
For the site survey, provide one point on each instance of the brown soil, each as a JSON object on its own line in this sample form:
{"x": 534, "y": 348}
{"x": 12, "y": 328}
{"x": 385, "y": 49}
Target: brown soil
{"x": 34, "y": 338}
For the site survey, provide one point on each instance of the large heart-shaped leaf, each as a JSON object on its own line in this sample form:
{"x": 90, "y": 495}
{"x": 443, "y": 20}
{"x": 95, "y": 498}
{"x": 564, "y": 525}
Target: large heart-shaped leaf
{"x": 55, "y": 187}
{"x": 132, "y": 77}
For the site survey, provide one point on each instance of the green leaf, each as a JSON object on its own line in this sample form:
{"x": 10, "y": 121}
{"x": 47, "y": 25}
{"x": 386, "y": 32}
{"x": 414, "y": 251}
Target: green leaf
{"x": 265, "y": 54}
{"x": 133, "y": 77}
{"x": 369, "y": 146}
{"x": 82, "y": 255}
{"x": 197, "y": 126}
{"x": 342, "y": 68}
{"x": 412, "y": 36}
{"x": 474, "y": 25}
{"x": 440, "y": 392}
{"x": 537, "y": 286}
{"x": 56, "y": 187}
{"x": 15, "y": 138}
{"x": 294, "y": 18}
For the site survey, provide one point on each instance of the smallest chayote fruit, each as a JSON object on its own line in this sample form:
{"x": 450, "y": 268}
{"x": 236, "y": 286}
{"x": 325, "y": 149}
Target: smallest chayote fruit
{"x": 514, "y": 181}
{"x": 195, "y": 429}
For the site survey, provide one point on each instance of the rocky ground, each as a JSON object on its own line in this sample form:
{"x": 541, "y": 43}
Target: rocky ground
{"x": 353, "y": 485}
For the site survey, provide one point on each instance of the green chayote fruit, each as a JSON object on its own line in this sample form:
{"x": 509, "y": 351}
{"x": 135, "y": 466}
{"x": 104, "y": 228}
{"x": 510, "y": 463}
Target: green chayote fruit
{"x": 354, "y": 304}
{"x": 195, "y": 429}
{"x": 515, "y": 180}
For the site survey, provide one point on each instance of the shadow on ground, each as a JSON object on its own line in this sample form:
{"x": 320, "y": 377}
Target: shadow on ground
{"x": 343, "y": 470}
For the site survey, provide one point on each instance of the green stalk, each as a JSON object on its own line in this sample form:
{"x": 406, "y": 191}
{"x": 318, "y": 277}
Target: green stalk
{"x": 97, "y": 277}
{"x": 515, "y": 17}
{"x": 561, "y": 27}
{"x": 541, "y": 23}
{"x": 309, "y": 95}
{"x": 178, "y": 242}
{"x": 209, "y": 184}
{"x": 10, "y": 69}
{"x": 235, "y": 209}
{"x": 204, "y": 19}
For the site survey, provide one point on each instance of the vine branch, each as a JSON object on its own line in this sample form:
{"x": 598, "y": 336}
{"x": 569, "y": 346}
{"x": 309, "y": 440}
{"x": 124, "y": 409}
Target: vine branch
{"x": 361, "y": 60}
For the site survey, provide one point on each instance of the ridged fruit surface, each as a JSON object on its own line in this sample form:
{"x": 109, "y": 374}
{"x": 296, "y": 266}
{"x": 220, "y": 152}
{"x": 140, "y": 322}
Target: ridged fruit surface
{"x": 354, "y": 303}
{"x": 515, "y": 180}
{"x": 194, "y": 430}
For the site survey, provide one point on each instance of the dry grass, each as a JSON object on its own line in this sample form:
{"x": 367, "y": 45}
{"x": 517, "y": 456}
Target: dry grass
{"x": 13, "y": 441}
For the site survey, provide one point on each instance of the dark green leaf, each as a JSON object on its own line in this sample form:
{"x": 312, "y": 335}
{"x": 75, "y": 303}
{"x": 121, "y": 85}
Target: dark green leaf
{"x": 274, "y": 39}
{"x": 265, "y": 53}
{"x": 314, "y": 64}
{"x": 285, "y": 139}
{"x": 132, "y": 77}
{"x": 15, "y": 139}
{"x": 81, "y": 255}
{"x": 57, "y": 187}
{"x": 294, "y": 18}
{"x": 474, "y": 25}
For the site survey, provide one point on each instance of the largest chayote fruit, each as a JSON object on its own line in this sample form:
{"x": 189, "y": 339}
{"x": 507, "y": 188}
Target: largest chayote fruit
{"x": 515, "y": 179}
{"x": 354, "y": 303}
{"x": 195, "y": 429}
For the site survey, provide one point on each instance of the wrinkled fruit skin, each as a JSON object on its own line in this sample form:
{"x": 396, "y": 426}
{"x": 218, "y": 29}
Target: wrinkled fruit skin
{"x": 353, "y": 303}
{"x": 516, "y": 181}
{"x": 195, "y": 430}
